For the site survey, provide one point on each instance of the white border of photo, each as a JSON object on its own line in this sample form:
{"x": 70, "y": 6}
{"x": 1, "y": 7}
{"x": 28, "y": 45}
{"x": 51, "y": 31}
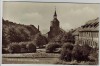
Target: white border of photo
{"x": 77, "y": 1}
{"x": 71, "y": 1}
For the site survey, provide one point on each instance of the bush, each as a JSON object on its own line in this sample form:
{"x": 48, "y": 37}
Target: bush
{"x": 68, "y": 45}
{"x": 66, "y": 52}
{"x": 94, "y": 55}
{"x": 31, "y": 47}
{"x": 50, "y": 48}
{"x": 81, "y": 53}
{"x": 77, "y": 53}
{"x": 23, "y": 47}
{"x": 14, "y": 48}
{"x": 4, "y": 50}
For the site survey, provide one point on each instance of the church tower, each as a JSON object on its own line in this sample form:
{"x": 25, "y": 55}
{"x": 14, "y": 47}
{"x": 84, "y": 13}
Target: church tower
{"x": 54, "y": 27}
{"x": 55, "y": 21}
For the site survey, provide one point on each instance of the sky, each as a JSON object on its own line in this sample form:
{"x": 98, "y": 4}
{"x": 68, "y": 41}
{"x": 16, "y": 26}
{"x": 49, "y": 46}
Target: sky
{"x": 70, "y": 15}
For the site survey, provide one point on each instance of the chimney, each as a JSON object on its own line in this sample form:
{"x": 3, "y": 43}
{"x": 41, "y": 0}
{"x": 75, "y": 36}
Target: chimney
{"x": 38, "y": 27}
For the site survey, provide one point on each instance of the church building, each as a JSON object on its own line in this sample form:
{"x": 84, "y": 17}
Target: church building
{"x": 54, "y": 27}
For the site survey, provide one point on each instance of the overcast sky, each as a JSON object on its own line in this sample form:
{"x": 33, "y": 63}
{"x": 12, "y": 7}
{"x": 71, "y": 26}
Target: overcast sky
{"x": 70, "y": 15}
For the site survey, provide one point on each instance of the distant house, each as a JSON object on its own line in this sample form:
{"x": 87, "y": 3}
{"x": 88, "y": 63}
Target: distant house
{"x": 76, "y": 34}
{"x": 89, "y": 33}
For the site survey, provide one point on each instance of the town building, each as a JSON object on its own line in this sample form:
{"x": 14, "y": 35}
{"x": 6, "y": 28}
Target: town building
{"x": 88, "y": 34}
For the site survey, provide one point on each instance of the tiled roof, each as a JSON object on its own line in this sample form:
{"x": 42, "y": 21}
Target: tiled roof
{"x": 92, "y": 25}
{"x": 76, "y": 32}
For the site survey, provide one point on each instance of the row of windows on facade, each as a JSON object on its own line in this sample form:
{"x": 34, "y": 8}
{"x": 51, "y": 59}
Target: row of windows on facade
{"x": 89, "y": 34}
{"x": 90, "y": 43}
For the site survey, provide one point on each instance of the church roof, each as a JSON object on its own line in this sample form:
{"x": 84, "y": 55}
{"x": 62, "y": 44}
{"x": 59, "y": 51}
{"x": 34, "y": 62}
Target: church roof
{"x": 55, "y": 20}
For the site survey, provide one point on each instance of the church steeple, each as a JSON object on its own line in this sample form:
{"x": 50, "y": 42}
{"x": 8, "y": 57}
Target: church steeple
{"x": 55, "y": 14}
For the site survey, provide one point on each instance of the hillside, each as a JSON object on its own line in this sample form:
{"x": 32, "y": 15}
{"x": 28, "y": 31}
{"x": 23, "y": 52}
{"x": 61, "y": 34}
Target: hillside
{"x": 12, "y": 32}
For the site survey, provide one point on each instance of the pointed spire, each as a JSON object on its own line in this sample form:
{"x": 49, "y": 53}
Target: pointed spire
{"x": 55, "y": 14}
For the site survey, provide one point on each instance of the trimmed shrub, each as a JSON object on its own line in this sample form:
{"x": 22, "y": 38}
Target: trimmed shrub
{"x": 31, "y": 47}
{"x": 14, "y": 48}
{"x": 50, "y": 48}
{"x": 66, "y": 52}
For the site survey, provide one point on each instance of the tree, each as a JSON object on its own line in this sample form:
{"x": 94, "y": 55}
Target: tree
{"x": 81, "y": 53}
{"x": 23, "y": 47}
{"x": 66, "y": 52}
{"x": 69, "y": 38}
{"x": 5, "y": 37}
{"x": 13, "y": 32}
{"x": 14, "y": 48}
{"x": 50, "y": 48}
{"x": 40, "y": 40}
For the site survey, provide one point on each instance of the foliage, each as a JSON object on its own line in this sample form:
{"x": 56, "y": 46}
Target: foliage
{"x": 75, "y": 52}
{"x": 81, "y": 53}
{"x": 5, "y": 37}
{"x": 94, "y": 55}
{"x": 31, "y": 47}
{"x": 40, "y": 40}
{"x": 66, "y": 52}
{"x": 23, "y": 47}
{"x": 4, "y": 51}
{"x": 14, "y": 48}
{"x": 69, "y": 38}
{"x": 50, "y": 48}
{"x": 13, "y": 32}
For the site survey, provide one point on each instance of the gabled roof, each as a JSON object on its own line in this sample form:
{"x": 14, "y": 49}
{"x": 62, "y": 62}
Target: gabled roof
{"x": 91, "y": 25}
{"x": 76, "y": 31}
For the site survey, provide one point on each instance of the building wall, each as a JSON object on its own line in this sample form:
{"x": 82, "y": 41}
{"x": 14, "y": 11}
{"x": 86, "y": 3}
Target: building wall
{"x": 54, "y": 31}
{"x": 89, "y": 37}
